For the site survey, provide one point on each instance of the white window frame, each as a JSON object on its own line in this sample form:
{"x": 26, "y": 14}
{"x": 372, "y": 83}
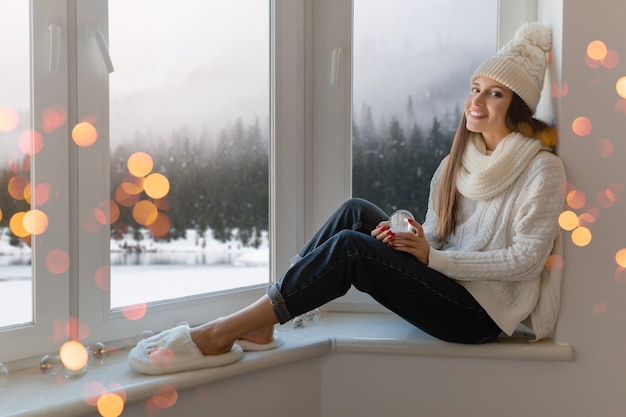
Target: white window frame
{"x": 51, "y": 291}
{"x": 310, "y": 163}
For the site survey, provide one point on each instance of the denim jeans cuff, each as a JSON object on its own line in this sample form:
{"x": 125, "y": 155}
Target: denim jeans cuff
{"x": 278, "y": 302}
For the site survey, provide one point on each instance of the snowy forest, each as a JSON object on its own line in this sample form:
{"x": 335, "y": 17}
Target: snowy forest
{"x": 222, "y": 184}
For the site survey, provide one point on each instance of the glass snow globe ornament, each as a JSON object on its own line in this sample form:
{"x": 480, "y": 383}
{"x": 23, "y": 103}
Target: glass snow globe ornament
{"x": 399, "y": 221}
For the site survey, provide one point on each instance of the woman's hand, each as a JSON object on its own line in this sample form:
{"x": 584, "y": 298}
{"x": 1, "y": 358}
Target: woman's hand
{"x": 412, "y": 242}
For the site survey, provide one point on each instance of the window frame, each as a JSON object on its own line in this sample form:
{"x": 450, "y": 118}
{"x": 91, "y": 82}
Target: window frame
{"x": 310, "y": 164}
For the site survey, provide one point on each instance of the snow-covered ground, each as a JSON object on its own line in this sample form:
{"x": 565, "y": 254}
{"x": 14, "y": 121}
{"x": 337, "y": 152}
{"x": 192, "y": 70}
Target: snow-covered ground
{"x": 153, "y": 271}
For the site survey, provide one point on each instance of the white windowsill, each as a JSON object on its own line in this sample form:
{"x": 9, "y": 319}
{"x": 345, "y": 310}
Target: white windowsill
{"x": 27, "y": 393}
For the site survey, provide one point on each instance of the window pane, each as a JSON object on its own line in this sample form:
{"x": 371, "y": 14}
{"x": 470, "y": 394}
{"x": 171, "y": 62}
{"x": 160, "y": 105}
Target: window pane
{"x": 16, "y": 284}
{"x": 189, "y": 120}
{"x": 412, "y": 64}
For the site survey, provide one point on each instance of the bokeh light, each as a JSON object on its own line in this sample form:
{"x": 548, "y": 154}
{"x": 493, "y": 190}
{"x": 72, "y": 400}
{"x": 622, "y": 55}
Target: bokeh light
{"x": 16, "y": 224}
{"x": 101, "y": 278}
{"x": 57, "y": 261}
{"x": 135, "y": 312}
{"x": 588, "y": 218}
{"x": 94, "y": 220}
{"x": 16, "y": 187}
{"x": 559, "y": 91}
{"x": 581, "y": 126}
{"x": 576, "y": 199}
{"x": 597, "y": 50}
{"x": 605, "y": 148}
{"x": 125, "y": 199}
{"x": 35, "y": 222}
{"x": 161, "y": 227}
{"x": 74, "y": 355}
{"x": 620, "y": 275}
{"x": 84, "y": 134}
{"x": 599, "y": 309}
{"x": 620, "y": 257}
{"x": 620, "y": 87}
{"x": 568, "y": 220}
{"x": 145, "y": 212}
{"x": 618, "y": 191}
{"x": 53, "y": 118}
{"x": 30, "y": 142}
{"x": 110, "y": 405}
{"x": 132, "y": 185}
{"x": 91, "y": 391}
{"x": 165, "y": 397}
{"x": 581, "y": 236}
{"x": 156, "y": 185}
{"x": 611, "y": 60}
{"x": 9, "y": 119}
{"x": 140, "y": 164}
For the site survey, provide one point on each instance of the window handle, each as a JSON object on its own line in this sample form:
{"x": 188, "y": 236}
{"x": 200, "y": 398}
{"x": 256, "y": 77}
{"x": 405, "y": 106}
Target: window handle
{"x": 104, "y": 48}
{"x": 334, "y": 65}
{"x": 54, "y": 33}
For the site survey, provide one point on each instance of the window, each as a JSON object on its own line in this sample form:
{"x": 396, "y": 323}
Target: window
{"x": 15, "y": 253}
{"x": 412, "y": 64}
{"x": 152, "y": 102}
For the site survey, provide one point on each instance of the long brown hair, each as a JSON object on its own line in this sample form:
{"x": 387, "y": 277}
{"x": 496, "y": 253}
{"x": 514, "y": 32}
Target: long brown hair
{"x": 519, "y": 118}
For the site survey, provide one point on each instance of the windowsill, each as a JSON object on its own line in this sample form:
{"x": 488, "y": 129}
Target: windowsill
{"x": 26, "y": 393}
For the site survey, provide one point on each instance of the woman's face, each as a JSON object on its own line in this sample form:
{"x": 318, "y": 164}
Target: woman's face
{"x": 486, "y": 107}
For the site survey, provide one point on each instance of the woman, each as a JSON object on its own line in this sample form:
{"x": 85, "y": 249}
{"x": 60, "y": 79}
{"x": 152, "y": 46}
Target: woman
{"x": 474, "y": 269}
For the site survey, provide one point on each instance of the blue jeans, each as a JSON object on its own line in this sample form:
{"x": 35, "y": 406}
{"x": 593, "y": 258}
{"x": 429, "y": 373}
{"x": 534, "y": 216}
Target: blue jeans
{"x": 343, "y": 253}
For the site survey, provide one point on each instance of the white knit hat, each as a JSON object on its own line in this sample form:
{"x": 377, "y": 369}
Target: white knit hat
{"x": 521, "y": 63}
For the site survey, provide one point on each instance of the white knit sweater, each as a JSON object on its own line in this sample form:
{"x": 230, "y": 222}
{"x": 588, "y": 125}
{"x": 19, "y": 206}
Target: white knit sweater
{"x": 502, "y": 242}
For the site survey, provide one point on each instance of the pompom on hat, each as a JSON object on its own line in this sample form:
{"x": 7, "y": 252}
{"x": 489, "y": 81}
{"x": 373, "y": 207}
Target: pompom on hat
{"x": 521, "y": 63}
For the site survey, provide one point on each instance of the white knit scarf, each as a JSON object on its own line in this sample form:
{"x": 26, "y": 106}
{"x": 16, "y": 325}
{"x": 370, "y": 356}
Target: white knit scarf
{"x": 484, "y": 176}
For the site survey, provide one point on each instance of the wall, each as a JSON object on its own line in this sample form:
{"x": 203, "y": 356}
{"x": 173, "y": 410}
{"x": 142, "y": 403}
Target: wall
{"x": 594, "y": 302}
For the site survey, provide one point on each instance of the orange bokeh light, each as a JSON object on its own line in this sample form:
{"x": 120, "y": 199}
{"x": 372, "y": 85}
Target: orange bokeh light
{"x": 16, "y": 187}
{"x": 576, "y": 199}
{"x": 568, "y": 220}
{"x": 597, "y": 50}
{"x": 35, "y": 222}
{"x": 140, "y": 164}
{"x": 581, "y": 236}
{"x": 581, "y": 126}
{"x": 9, "y": 119}
{"x": 16, "y": 224}
{"x": 161, "y": 227}
{"x": 125, "y": 199}
{"x": 74, "y": 355}
{"x": 145, "y": 212}
{"x": 620, "y": 87}
{"x": 620, "y": 257}
{"x": 84, "y": 134}
{"x": 110, "y": 405}
{"x": 57, "y": 261}
{"x": 156, "y": 185}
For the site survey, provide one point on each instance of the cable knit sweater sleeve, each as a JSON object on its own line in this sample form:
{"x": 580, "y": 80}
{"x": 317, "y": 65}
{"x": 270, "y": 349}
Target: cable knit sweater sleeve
{"x": 507, "y": 237}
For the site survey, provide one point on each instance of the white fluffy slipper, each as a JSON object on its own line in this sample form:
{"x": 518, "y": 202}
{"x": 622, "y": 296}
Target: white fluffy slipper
{"x": 249, "y": 346}
{"x": 172, "y": 351}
